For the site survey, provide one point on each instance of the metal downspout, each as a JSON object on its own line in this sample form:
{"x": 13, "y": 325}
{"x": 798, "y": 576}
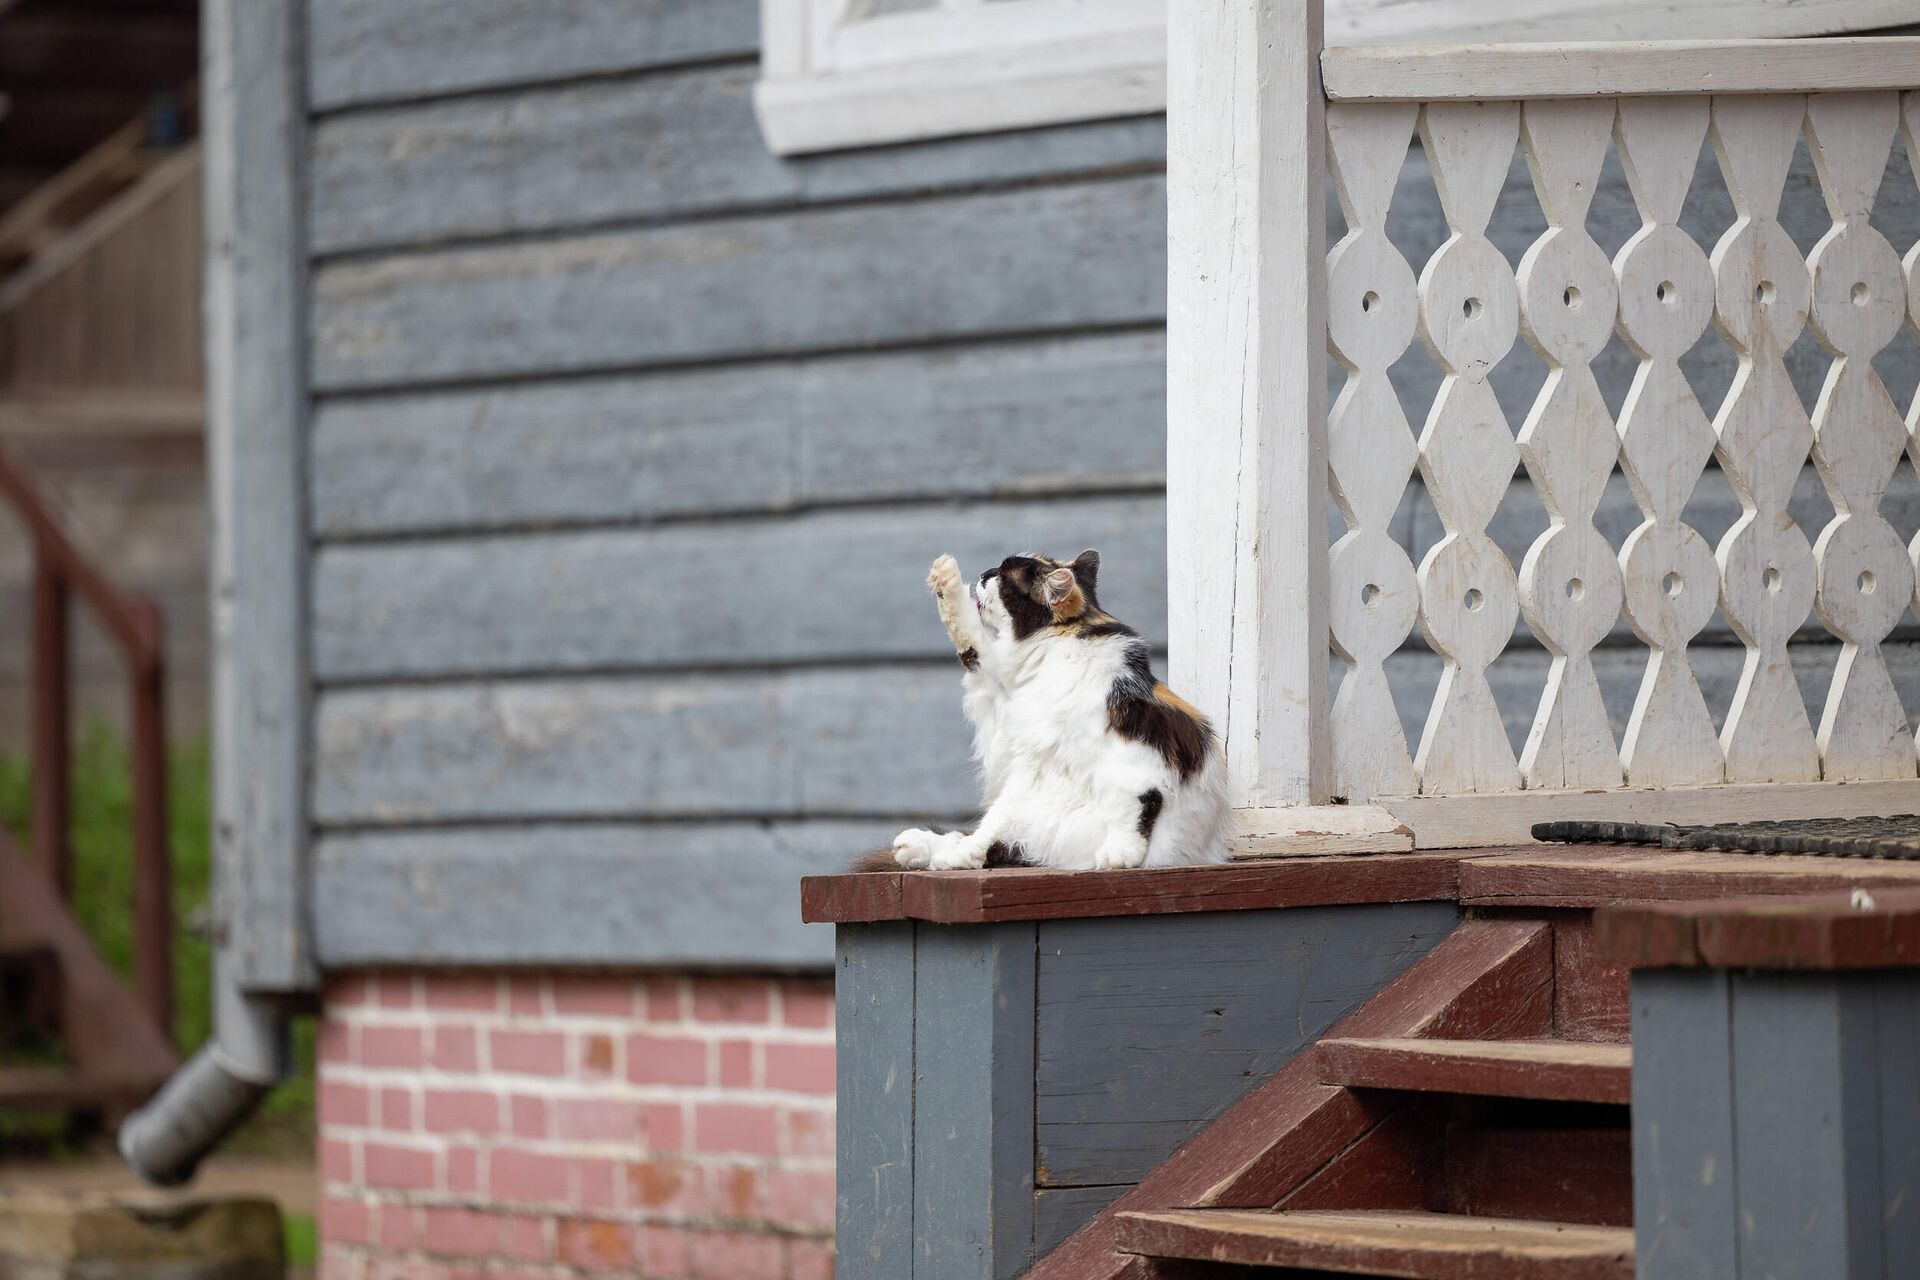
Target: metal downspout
{"x": 215, "y": 1092}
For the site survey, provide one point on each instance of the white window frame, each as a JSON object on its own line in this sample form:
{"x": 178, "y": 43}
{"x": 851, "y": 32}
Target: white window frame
{"x": 832, "y": 79}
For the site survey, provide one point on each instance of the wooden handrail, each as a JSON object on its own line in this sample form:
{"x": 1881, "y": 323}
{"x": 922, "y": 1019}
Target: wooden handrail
{"x": 62, "y": 569}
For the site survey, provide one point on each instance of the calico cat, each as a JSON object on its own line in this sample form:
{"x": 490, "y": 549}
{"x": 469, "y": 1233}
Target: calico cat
{"x": 1087, "y": 761}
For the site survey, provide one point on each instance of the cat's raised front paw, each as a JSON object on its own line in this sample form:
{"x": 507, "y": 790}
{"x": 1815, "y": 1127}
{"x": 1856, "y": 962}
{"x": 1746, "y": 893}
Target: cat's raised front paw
{"x": 944, "y": 577}
{"x": 1119, "y": 853}
{"x": 913, "y": 848}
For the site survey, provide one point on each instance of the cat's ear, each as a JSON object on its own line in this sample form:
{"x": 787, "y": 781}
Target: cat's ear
{"x": 1059, "y": 585}
{"x": 1086, "y": 567}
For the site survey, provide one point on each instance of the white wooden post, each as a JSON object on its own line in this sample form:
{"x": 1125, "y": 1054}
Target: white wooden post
{"x": 1246, "y": 387}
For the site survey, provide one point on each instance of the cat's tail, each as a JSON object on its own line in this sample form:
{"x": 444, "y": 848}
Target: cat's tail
{"x": 878, "y": 860}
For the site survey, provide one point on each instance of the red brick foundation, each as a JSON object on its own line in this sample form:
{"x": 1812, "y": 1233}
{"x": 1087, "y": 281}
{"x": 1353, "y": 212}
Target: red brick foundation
{"x": 523, "y": 1126}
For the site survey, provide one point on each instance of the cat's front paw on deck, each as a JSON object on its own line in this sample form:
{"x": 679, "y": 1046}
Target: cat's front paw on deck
{"x": 1119, "y": 853}
{"x": 913, "y": 848}
{"x": 961, "y": 853}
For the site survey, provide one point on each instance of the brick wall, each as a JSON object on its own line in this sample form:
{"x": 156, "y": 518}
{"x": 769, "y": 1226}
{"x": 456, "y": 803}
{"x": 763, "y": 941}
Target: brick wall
{"x": 514, "y": 1127}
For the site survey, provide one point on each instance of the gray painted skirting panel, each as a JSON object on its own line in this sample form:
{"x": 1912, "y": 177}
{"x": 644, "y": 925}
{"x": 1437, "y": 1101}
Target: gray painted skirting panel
{"x": 665, "y": 895}
{"x": 973, "y": 1072}
{"x": 839, "y": 740}
{"x": 874, "y": 1020}
{"x": 1058, "y": 257}
{"x": 1776, "y": 1124}
{"x": 1684, "y": 1210}
{"x": 368, "y": 52}
{"x": 1077, "y": 413}
{"x": 810, "y": 588}
{"x": 1058, "y": 1212}
{"x": 1149, "y": 1031}
{"x": 654, "y": 148}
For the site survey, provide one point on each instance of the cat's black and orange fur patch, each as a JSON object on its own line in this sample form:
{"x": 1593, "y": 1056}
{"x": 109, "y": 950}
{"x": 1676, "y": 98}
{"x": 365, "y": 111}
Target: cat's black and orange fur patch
{"x": 1139, "y": 707}
{"x": 1143, "y": 709}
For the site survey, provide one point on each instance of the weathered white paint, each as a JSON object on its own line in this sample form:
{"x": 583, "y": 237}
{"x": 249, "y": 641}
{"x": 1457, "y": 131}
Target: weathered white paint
{"x": 833, "y": 76}
{"x": 1469, "y": 314}
{"x": 1569, "y": 581}
{"x": 1670, "y": 580}
{"x": 1766, "y": 566}
{"x": 1565, "y": 67}
{"x": 1246, "y": 383}
{"x": 1858, "y": 302}
{"x": 1493, "y": 820}
{"x": 1660, "y": 292}
{"x": 1319, "y": 829}
{"x": 1371, "y": 306}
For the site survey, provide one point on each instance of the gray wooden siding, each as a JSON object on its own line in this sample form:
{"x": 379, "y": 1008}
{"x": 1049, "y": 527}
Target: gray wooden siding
{"x": 630, "y": 442}
{"x": 362, "y": 51}
{"x": 646, "y": 148}
{"x": 934, "y": 270}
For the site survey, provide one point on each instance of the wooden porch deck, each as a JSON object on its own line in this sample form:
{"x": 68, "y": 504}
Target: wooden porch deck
{"x": 1573, "y": 876}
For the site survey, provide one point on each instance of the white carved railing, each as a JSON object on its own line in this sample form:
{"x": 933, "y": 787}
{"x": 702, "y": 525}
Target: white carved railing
{"x": 1257, "y": 598}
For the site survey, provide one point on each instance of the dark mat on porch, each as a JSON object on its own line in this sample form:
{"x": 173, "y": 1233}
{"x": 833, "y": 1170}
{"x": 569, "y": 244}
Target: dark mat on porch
{"x": 1897, "y": 837}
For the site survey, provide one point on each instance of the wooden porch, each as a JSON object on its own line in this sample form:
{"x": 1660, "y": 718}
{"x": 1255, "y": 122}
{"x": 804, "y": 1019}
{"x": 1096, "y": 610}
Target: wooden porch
{"x": 1419, "y": 1065}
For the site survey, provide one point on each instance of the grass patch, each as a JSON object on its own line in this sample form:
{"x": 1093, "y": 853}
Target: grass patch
{"x": 303, "y": 1240}
{"x": 102, "y": 827}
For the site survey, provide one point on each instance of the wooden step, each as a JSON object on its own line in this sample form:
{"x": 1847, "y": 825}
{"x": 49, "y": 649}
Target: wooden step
{"x": 1549, "y": 1070}
{"x": 1416, "y": 1246}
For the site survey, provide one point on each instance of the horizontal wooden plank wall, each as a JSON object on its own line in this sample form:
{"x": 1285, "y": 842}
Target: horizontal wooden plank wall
{"x": 630, "y": 444}
{"x": 360, "y": 53}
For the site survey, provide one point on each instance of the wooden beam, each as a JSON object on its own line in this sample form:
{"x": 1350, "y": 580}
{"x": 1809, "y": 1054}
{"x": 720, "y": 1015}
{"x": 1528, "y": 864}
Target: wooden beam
{"x": 1837, "y": 929}
{"x": 1246, "y": 388}
{"x": 1032, "y": 893}
{"x": 1602, "y": 875}
{"x": 1475, "y": 72}
{"x": 1507, "y": 817}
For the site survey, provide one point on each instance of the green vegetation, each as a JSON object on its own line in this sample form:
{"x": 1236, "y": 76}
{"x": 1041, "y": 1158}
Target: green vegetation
{"x": 303, "y": 1240}
{"x": 103, "y": 894}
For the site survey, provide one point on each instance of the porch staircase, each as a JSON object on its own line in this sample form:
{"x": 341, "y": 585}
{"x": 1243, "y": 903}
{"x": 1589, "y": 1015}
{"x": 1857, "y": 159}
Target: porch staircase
{"x": 1470, "y": 1121}
{"x": 73, "y": 1038}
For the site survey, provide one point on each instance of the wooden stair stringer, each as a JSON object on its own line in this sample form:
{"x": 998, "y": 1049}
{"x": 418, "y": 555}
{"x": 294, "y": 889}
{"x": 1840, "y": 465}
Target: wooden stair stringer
{"x": 107, "y": 1033}
{"x": 1489, "y": 977}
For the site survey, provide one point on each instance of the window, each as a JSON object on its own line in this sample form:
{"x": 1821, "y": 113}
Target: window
{"x": 843, "y": 73}
{"x": 849, "y": 73}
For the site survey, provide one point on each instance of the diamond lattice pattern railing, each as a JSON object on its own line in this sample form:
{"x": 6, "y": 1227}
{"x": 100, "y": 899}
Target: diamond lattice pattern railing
{"x": 1797, "y": 567}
